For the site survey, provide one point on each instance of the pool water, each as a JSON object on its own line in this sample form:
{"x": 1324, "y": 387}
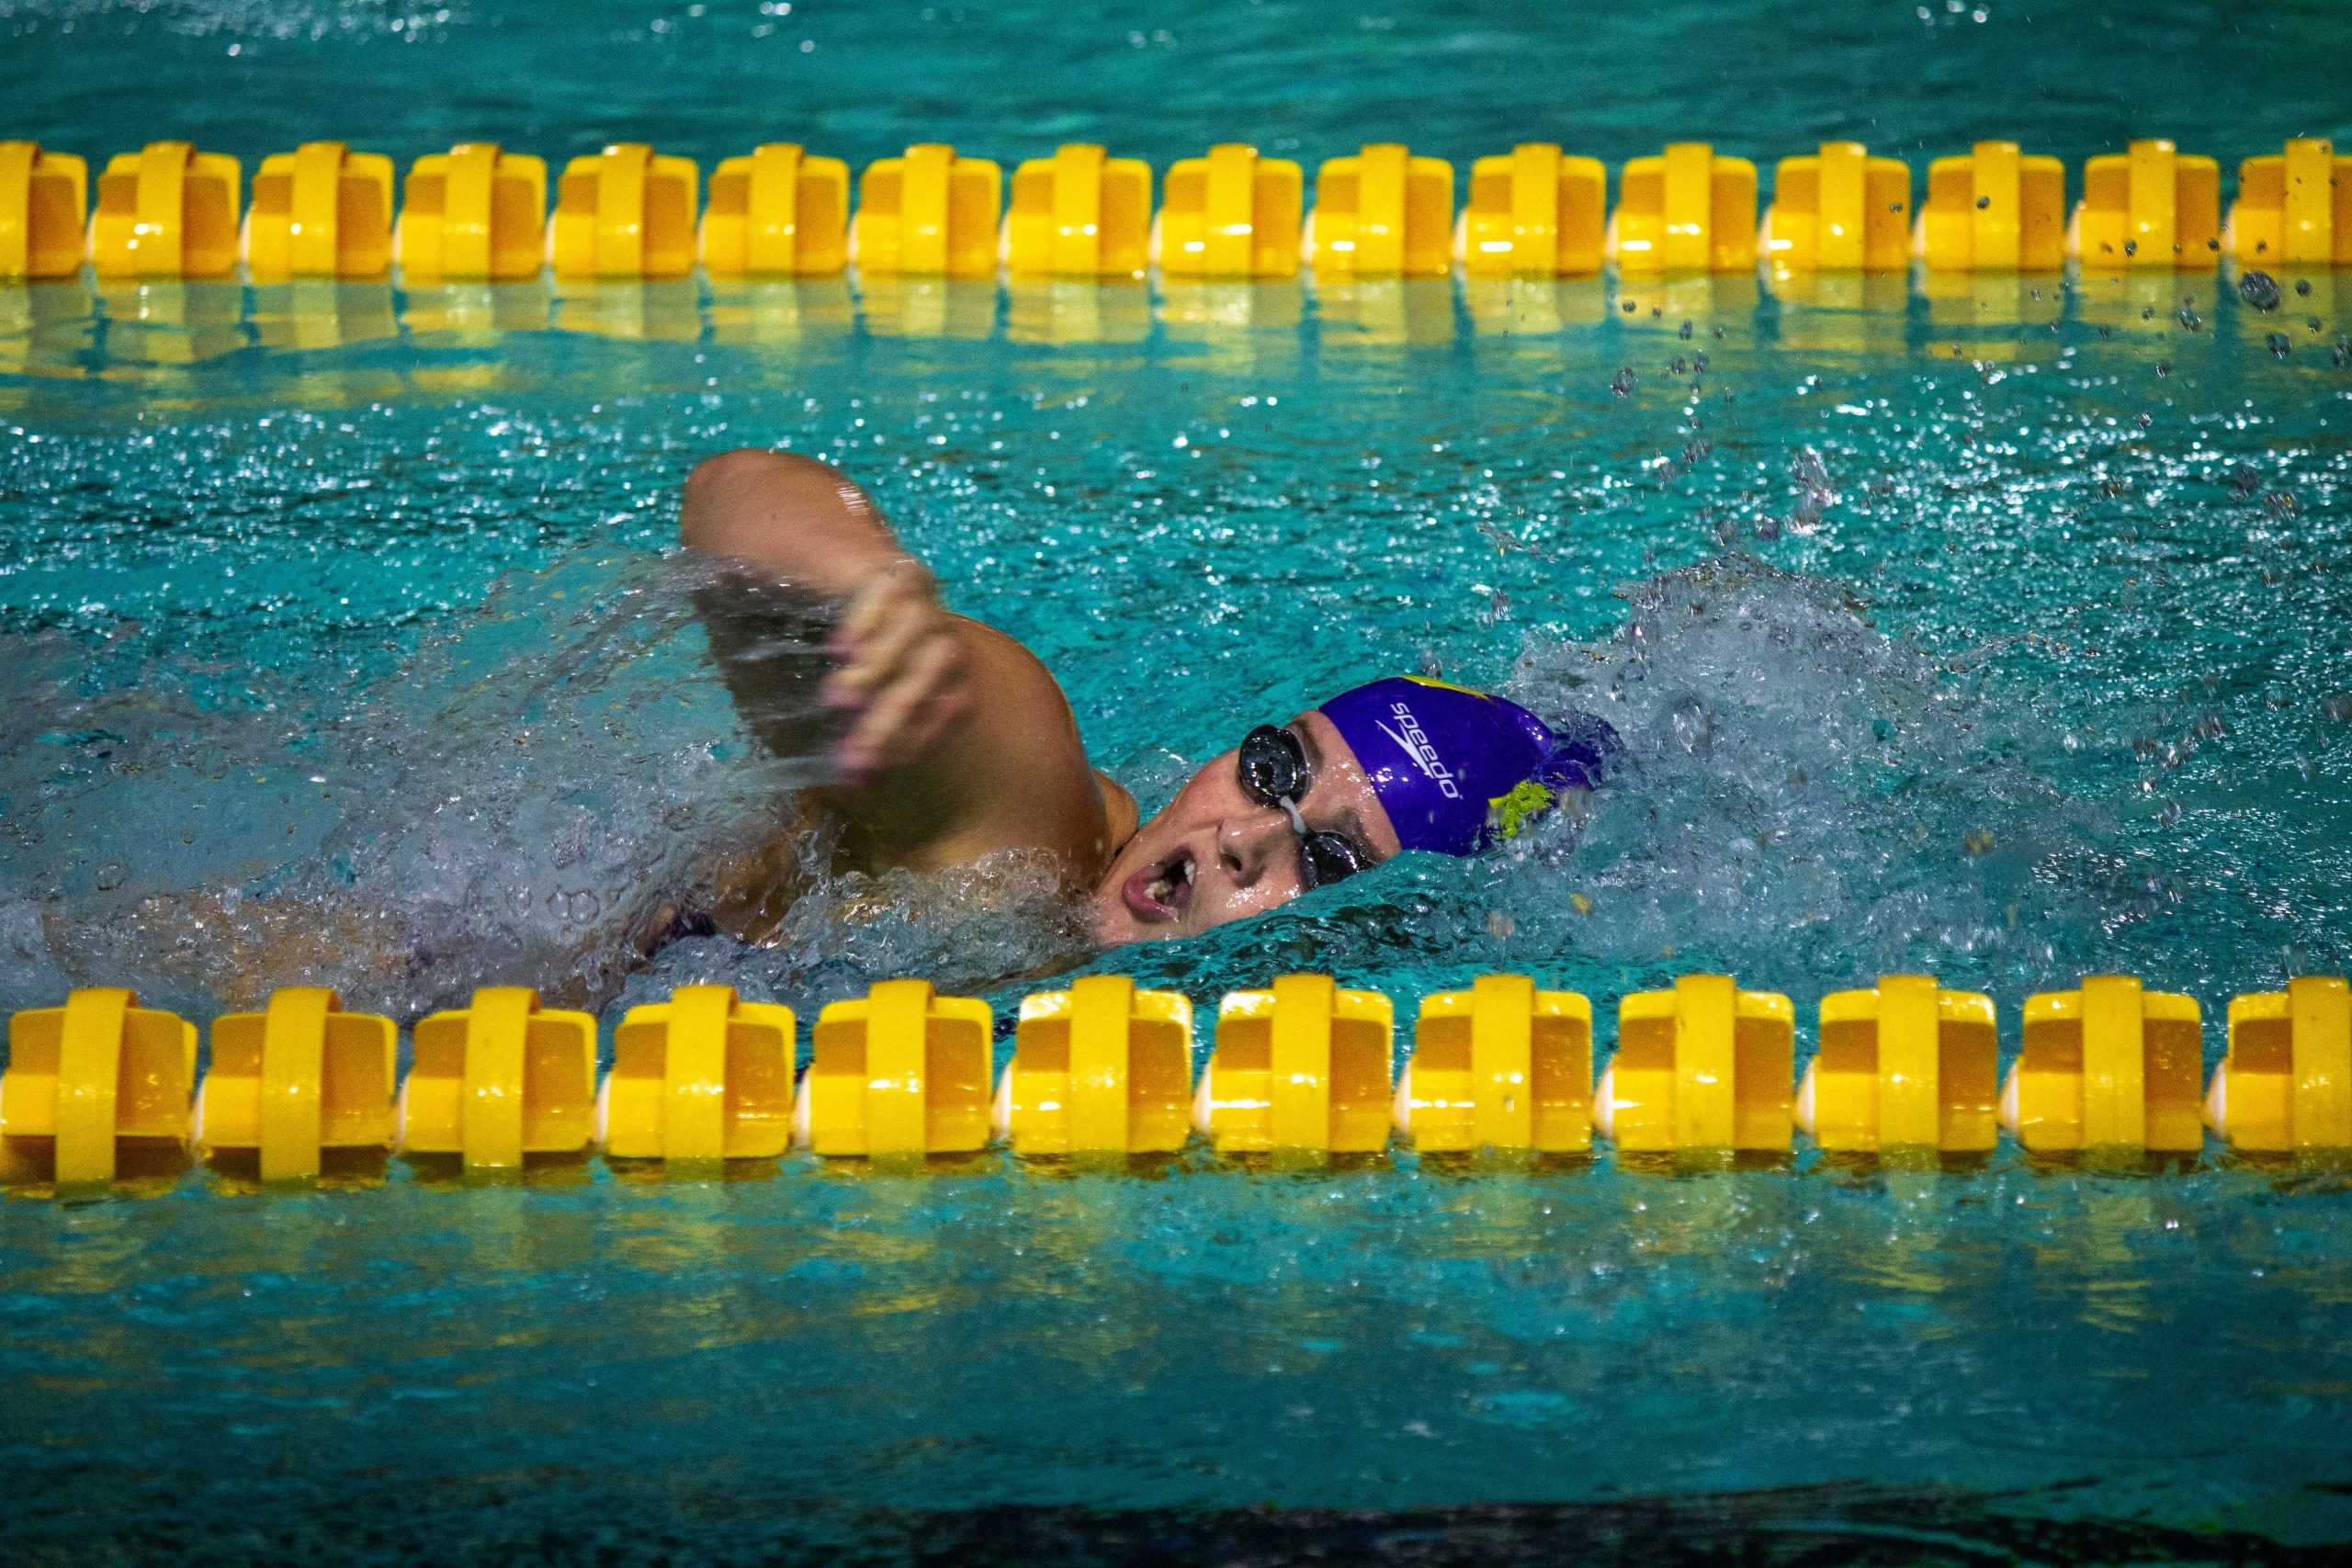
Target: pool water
{"x": 1999, "y": 634}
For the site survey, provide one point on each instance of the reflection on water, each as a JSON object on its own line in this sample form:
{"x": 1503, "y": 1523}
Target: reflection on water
{"x": 1385, "y": 313}
{"x": 780, "y": 311}
{"x": 989, "y": 1336}
{"x": 139, "y": 330}
{"x": 1843, "y": 312}
{"x": 1077, "y": 311}
{"x": 669, "y": 310}
{"x": 1507, "y": 306}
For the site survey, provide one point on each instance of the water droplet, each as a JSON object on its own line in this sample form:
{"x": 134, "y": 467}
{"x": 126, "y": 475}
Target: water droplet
{"x": 2259, "y": 289}
{"x": 1694, "y": 725}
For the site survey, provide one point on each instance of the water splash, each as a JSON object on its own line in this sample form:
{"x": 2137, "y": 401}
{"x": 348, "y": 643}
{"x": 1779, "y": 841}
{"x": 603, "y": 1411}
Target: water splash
{"x": 559, "y": 788}
{"x": 550, "y": 790}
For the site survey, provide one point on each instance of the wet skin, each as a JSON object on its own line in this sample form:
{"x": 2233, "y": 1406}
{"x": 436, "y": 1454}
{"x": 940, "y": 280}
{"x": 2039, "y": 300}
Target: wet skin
{"x": 1216, "y": 854}
{"x": 960, "y": 743}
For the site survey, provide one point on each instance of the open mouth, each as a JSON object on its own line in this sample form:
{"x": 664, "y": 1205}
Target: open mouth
{"x": 1161, "y": 892}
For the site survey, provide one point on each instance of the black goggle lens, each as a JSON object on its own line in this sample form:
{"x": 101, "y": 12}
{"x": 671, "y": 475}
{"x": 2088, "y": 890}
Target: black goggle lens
{"x": 1273, "y": 769}
{"x": 1326, "y": 858}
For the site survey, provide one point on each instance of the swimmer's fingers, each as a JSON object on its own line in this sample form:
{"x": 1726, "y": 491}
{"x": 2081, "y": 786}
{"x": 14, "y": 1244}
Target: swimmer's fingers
{"x": 890, "y": 615}
{"x": 903, "y": 580}
{"x": 907, "y": 715}
{"x": 878, "y": 661}
{"x": 903, "y": 717}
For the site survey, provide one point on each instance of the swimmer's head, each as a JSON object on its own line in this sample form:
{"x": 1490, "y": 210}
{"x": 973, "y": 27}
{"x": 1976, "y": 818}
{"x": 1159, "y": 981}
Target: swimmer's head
{"x": 1398, "y": 764}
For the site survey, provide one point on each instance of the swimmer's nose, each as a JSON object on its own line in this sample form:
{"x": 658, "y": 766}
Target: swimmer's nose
{"x": 1250, "y": 841}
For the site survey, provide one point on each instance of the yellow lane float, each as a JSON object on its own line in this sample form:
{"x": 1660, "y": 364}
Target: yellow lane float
{"x": 2294, "y": 209}
{"x": 1100, "y": 1069}
{"x": 1995, "y": 209}
{"x": 44, "y": 201}
{"x": 96, "y": 1074}
{"x": 626, "y": 212}
{"x": 473, "y": 214}
{"x": 1839, "y": 210}
{"x": 928, "y": 214}
{"x": 1501, "y": 1065}
{"x": 320, "y": 212}
{"x": 1302, "y": 1067}
{"x": 1534, "y": 212}
{"x": 1381, "y": 213}
{"x": 900, "y": 1071}
{"x": 1906, "y": 1065}
{"x": 776, "y": 213}
{"x": 500, "y": 1080}
{"x": 1687, "y": 210}
{"x": 1079, "y": 214}
{"x": 1105, "y": 1067}
{"x": 1704, "y": 1066}
{"x": 2151, "y": 207}
{"x": 300, "y": 1077}
{"x": 1232, "y": 215}
{"x": 701, "y": 1076}
{"x": 2286, "y": 1086}
{"x": 167, "y": 212}
{"x": 2111, "y": 1067}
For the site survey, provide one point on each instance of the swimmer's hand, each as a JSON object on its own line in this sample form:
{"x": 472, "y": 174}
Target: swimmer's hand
{"x": 905, "y": 673}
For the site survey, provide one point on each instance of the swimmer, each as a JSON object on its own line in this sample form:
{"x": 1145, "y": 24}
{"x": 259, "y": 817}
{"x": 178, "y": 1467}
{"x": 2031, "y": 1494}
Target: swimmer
{"x": 959, "y": 743}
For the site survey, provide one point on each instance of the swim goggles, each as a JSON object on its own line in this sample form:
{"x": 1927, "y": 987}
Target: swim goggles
{"x": 1273, "y": 772}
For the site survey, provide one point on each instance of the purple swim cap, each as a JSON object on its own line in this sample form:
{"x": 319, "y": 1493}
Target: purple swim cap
{"x": 1458, "y": 769}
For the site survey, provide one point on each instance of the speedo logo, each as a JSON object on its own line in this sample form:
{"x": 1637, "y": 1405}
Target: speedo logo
{"x": 1416, "y": 743}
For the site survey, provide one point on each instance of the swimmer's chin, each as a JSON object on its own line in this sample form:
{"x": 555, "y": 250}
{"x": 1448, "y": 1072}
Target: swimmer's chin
{"x": 1111, "y": 926}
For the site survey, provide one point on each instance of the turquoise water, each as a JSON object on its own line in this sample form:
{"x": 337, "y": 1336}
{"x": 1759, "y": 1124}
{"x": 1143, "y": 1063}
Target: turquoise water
{"x": 2000, "y": 636}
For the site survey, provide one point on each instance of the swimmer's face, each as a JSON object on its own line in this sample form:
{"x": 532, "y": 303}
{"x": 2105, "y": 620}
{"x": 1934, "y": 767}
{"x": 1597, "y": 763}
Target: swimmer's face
{"x": 1217, "y": 853}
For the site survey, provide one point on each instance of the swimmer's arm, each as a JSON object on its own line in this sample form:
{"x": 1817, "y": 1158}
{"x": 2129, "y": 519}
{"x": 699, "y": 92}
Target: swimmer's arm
{"x": 961, "y": 741}
{"x": 805, "y": 521}
{"x": 902, "y": 674}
